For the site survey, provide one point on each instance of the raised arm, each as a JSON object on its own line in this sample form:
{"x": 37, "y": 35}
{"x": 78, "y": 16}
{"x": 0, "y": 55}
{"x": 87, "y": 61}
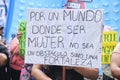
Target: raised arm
{"x": 115, "y": 62}
{"x": 38, "y": 74}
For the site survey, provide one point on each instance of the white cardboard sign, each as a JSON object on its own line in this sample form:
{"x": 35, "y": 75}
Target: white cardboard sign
{"x": 67, "y": 37}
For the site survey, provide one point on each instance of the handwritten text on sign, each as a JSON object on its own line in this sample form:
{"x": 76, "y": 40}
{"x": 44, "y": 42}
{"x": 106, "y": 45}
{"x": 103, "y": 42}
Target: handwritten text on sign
{"x": 109, "y": 41}
{"x": 68, "y": 37}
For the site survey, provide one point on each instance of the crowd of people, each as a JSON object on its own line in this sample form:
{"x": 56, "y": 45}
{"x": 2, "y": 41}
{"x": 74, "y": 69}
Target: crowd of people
{"x": 11, "y": 64}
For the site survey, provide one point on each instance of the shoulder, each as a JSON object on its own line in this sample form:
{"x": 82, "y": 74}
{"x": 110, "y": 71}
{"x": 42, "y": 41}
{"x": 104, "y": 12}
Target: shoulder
{"x": 3, "y": 49}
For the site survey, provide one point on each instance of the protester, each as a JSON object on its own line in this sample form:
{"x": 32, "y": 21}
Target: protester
{"x": 4, "y": 63}
{"x": 16, "y": 61}
{"x": 106, "y": 67}
{"x": 39, "y": 72}
{"x": 115, "y": 62}
{"x": 4, "y": 56}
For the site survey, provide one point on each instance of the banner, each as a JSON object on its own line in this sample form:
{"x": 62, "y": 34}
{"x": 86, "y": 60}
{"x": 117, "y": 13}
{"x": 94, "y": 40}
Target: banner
{"x": 68, "y": 37}
{"x": 3, "y": 13}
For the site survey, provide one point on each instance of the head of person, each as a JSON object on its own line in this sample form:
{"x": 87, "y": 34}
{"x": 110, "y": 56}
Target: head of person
{"x": 13, "y": 36}
{"x": 19, "y": 34}
{"x": 1, "y": 29}
{"x": 107, "y": 28}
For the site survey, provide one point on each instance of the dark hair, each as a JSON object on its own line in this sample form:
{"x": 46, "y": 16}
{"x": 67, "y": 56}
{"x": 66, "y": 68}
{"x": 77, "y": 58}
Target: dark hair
{"x": 1, "y": 27}
{"x": 4, "y": 50}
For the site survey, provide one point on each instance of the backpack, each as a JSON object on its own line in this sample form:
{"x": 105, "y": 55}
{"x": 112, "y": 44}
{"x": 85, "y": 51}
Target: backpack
{"x": 26, "y": 72}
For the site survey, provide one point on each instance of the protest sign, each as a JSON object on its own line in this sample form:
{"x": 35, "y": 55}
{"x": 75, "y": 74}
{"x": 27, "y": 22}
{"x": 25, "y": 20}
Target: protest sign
{"x": 67, "y": 37}
{"x": 22, "y": 29}
{"x": 109, "y": 41}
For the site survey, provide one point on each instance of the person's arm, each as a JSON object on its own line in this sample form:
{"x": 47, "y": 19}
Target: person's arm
{"x": 115, "y": 62}
{"x": 38, "y": 74}
{"x": 90, "y": 73}
{"x": 14, "y": 46}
